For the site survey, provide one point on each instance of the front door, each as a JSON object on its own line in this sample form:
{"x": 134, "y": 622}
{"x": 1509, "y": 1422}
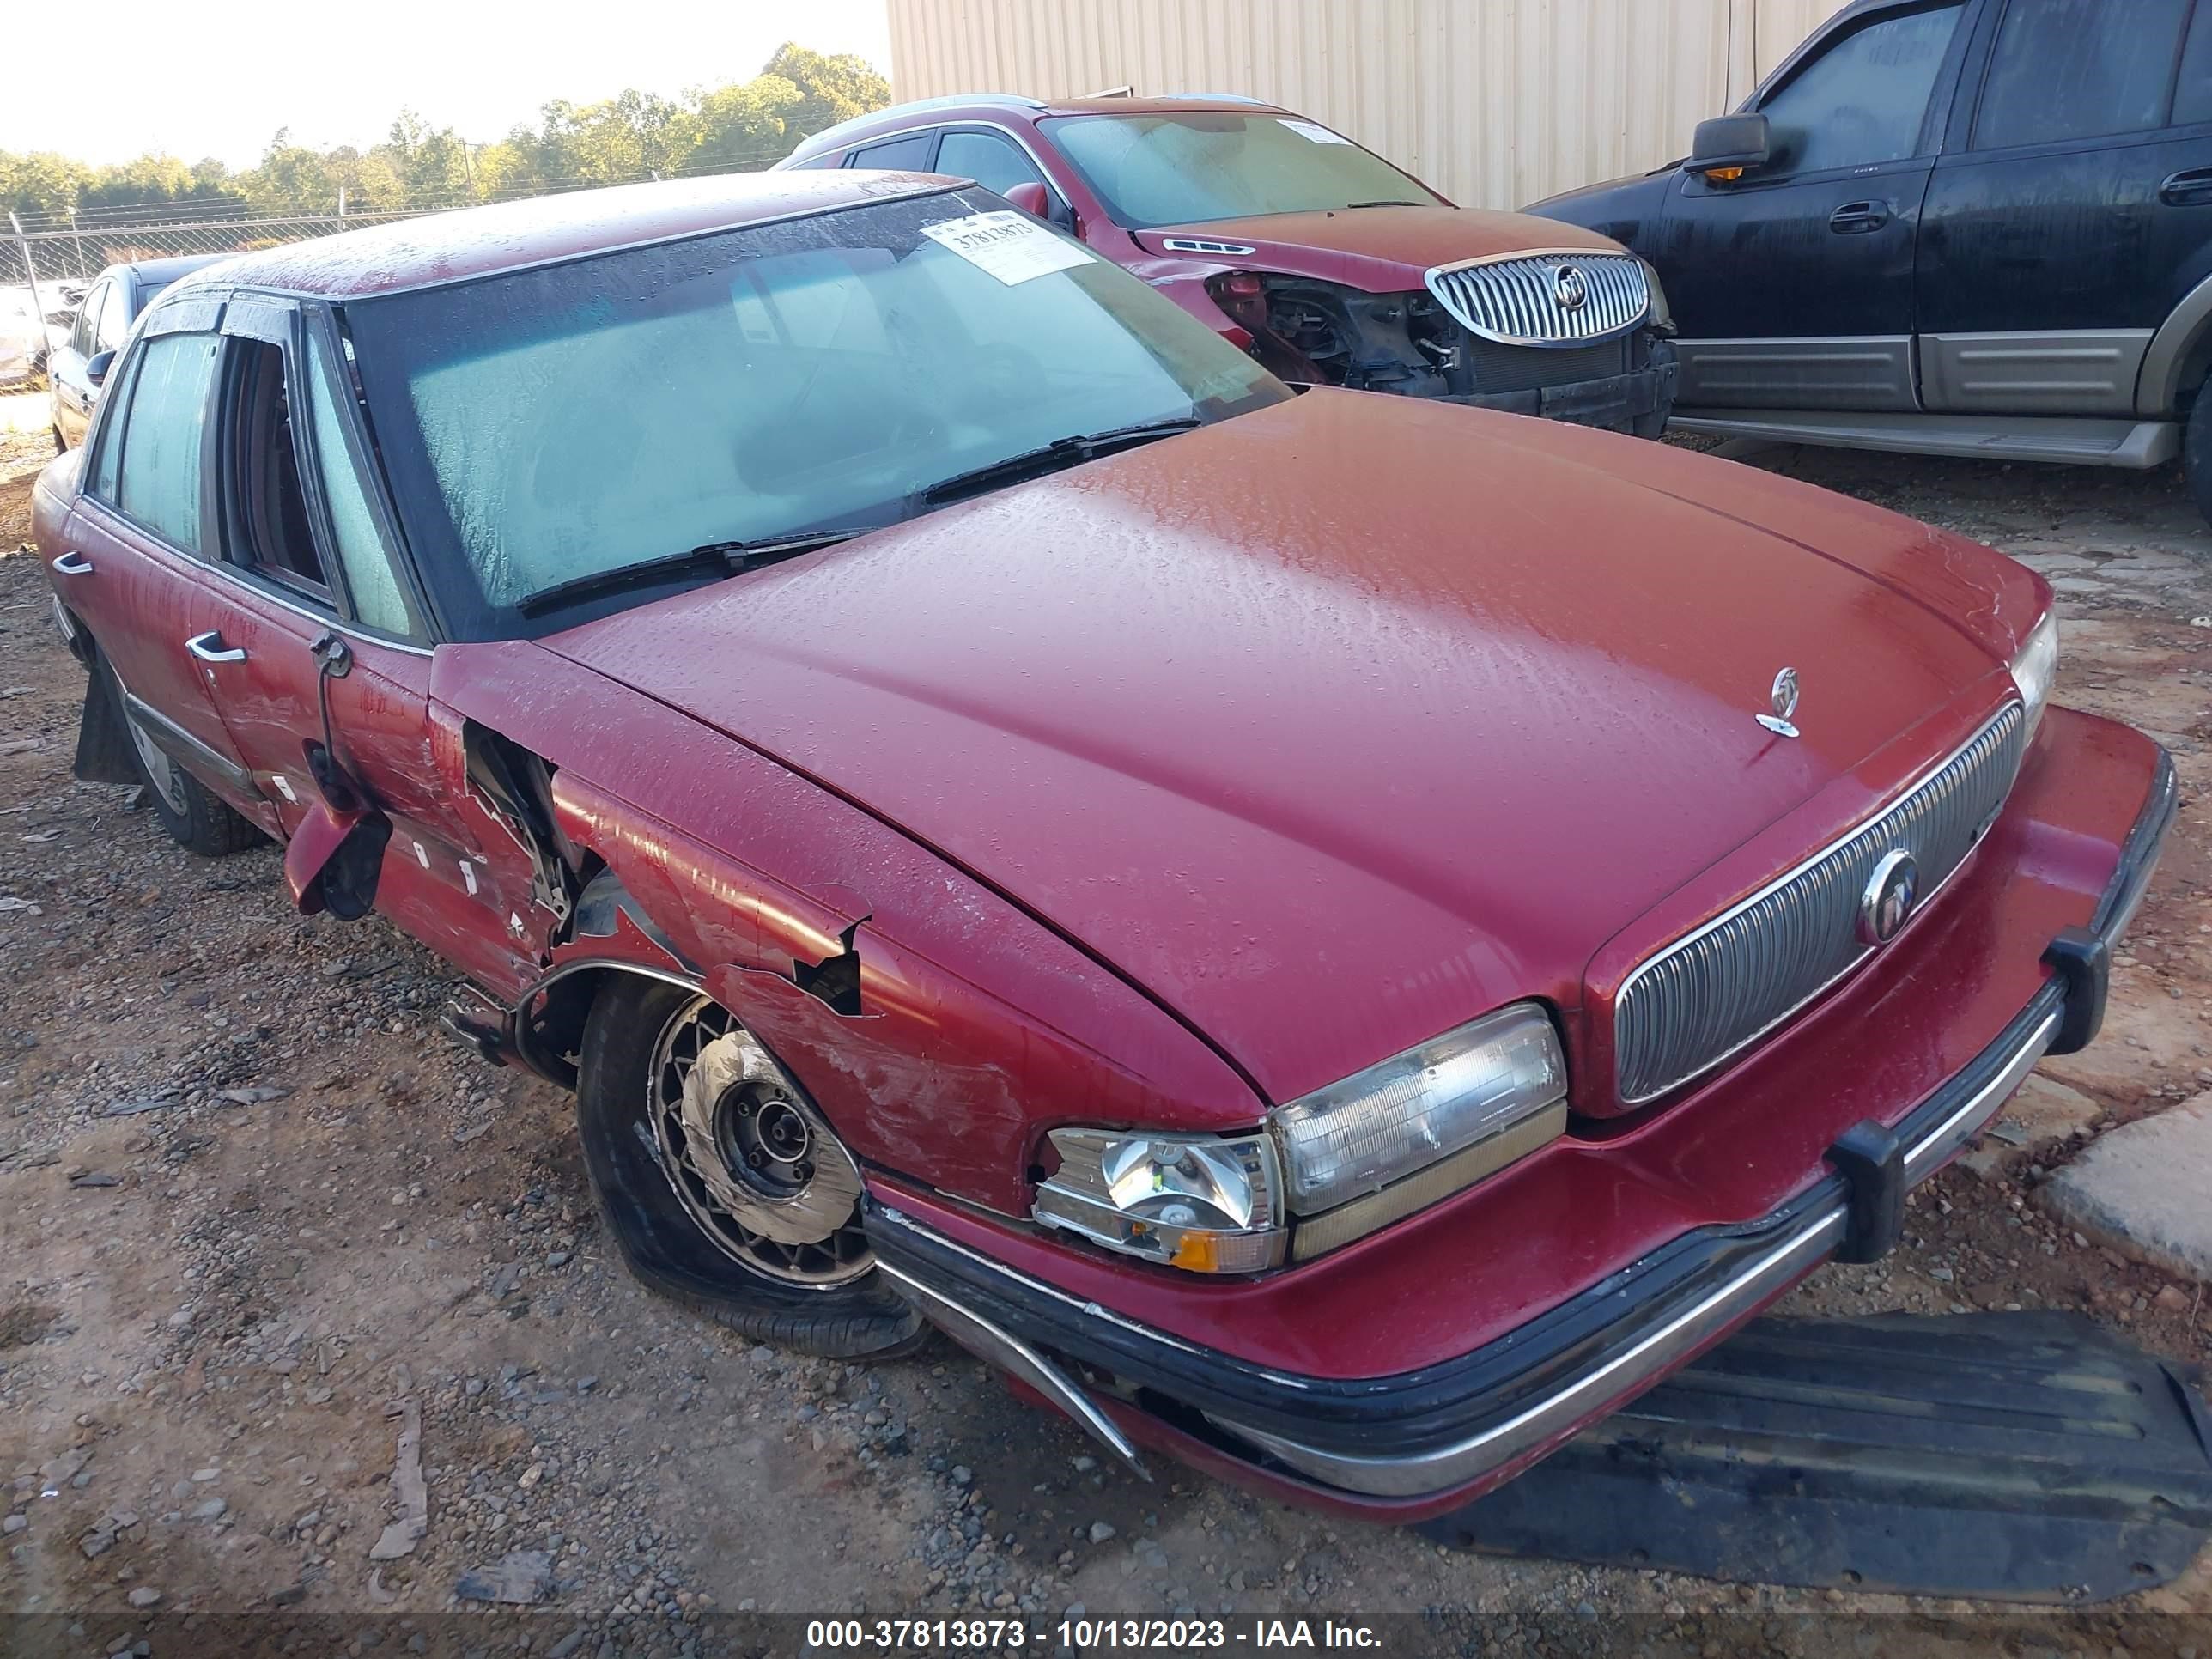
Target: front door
{"x": 331, "y": 648}
{"x": 1792, "y": 285}
{"x": 2071, "y": 208}
{"x": 73, "y": 391}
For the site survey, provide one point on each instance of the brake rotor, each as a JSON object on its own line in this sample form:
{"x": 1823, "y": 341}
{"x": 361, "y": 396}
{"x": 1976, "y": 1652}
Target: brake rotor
{"x": 763, "y": 1155}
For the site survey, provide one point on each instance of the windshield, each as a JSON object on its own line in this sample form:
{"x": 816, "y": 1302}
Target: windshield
{"x": 1182, "y": 169}
{"x": 814, "y": 375}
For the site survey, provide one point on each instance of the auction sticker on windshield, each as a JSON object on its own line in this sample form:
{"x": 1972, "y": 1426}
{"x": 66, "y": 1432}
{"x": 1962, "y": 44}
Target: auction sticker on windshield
{"x": 1009, "y": 247}
{"x": 1314, "y": 135}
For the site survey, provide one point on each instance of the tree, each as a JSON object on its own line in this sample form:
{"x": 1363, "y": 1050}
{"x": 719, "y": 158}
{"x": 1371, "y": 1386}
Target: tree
{"x": 832, "y": 87}
{"x": 731, "y": 128}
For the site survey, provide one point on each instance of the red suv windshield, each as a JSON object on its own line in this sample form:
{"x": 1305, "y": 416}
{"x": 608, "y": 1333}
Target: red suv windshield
{"x": 1185, "y": 167}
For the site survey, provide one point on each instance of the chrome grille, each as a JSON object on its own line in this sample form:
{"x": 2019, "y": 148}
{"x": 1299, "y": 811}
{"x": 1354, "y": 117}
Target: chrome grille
{"x": 1709, "y": 995}
{"x": 1523, "y": 301}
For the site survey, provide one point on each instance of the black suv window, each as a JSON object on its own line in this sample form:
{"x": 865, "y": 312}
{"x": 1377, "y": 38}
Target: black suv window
{"x": 992, "y": 161}
{"x": 2079, "y": 68}
{"x": 2192, "y": 93}
{"x": 1863, "y": 100}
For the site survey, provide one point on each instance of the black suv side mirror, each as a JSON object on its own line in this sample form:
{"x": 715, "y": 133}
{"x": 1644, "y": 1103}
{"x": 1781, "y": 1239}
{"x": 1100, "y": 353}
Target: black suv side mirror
{"x": 97, "y": 365}
{"x": 1730, "y": 144}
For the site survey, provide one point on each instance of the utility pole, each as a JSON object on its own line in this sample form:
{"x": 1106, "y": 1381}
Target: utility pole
{"x": 340, "y": 207}
{"x": 468, "y": 166}
{"x": 78, "y": 237}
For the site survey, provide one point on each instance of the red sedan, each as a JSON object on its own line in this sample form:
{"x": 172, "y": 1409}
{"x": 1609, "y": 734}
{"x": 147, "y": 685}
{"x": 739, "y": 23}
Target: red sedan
{"x": 1336, "y": 936}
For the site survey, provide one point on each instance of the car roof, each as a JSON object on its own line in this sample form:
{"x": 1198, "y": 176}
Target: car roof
{"x": 164, "y": 271}
{"x": 438, "y": 248}
{"x": 985, "y": 106}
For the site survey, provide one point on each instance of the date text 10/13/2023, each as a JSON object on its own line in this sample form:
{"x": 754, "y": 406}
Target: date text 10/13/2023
{"x": 1086, "y": 1635}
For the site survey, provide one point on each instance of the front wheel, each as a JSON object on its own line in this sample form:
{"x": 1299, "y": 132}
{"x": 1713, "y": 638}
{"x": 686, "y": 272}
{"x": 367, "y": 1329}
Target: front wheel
{"x": 2197, "y": 452}
{"x": 724, "y": 1186}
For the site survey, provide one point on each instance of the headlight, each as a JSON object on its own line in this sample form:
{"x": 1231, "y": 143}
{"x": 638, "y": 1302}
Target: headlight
{"x": 1345, "y": 1160}
{"x": 2035, "y": 670}
{"x": 1399, "y": 1136}
{"x": 1662, "y": 314}
{"x": 1202, "y": 1203}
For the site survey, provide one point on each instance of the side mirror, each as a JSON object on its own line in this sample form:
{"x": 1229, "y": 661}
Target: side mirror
{"x": 1730, "y": 146}
{"x": 96, "y": 366}
{"x": 1030, "y": 197}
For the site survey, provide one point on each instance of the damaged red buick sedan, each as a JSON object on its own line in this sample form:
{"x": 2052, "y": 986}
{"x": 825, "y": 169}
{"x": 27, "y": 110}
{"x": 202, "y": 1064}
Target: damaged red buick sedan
{"x": 1335, "y": 937}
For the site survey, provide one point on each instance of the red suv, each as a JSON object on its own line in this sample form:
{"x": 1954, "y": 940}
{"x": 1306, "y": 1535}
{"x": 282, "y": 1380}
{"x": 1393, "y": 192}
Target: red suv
{"x": 1330, "y": 264}
{"x": 1315, "y": 929}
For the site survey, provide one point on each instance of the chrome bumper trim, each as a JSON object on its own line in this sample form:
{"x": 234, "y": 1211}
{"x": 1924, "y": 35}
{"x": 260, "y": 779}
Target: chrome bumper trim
{"x": 988, "y": 1341}
{"x": 1817, "y": 1235}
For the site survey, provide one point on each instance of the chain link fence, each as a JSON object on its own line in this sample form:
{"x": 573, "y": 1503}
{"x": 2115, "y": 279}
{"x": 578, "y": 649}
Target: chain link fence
{"x": 56, "y": 256}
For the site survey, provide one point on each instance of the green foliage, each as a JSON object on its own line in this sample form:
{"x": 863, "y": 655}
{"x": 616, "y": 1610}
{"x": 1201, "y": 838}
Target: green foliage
{"x": 739, "y": 127}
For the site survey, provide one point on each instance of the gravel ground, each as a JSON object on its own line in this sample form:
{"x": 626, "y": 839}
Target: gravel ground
{"x": 280, "y": 1269}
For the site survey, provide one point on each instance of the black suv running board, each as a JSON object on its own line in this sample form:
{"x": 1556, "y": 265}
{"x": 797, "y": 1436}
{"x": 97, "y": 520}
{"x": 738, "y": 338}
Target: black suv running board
{"x": 2130, "y": 444}
{"x": 2027, "y": 1456}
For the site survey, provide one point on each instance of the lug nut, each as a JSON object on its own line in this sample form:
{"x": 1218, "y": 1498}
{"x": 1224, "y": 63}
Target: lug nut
{"x": 756, "y": 1159}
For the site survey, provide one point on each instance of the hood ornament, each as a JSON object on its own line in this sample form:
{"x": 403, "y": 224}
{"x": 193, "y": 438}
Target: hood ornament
{"x": 1784, "y": 701}
{"x": 1569, "y": 289}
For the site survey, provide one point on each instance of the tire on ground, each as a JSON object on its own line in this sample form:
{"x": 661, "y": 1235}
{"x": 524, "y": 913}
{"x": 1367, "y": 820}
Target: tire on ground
{"x": 196, "y": 819}
{"x": 2196, "y": 451}
{"x": 664, "y": 1247}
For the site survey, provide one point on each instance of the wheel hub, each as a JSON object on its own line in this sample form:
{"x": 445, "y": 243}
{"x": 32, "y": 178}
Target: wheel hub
{"x": 757, "y": 1165}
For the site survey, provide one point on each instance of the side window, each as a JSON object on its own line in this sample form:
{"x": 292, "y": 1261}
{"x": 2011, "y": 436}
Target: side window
{"x": 2079, "y": 68}
{"x": 114, "y": 321}
{"x": 1862, "y": 101}
{"x": 910, "y": 152}
{"x": 269, "y": 527}
{"x": 158, "y": 471}
{"x": 996, "y": 163}
{"x": 99, "y": 474}
{"x": 87, "y": 320}
{"x": 360, "y": 544}
{"x": 2192, "y": 91}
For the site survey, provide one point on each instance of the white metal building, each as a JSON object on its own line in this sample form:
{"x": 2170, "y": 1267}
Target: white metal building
{"x": 1495, "y": 102}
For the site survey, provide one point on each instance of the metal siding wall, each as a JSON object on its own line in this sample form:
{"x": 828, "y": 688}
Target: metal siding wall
{"x": 1495, "y": 102}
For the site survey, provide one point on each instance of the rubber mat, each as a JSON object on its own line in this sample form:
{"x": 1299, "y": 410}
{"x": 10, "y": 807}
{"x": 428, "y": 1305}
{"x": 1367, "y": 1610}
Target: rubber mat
{"x": 2028, "y": 1456}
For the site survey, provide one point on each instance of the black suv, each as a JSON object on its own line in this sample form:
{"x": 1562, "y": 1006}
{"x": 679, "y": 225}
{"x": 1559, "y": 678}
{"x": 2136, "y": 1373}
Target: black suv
{"x": 1950, "y": 227}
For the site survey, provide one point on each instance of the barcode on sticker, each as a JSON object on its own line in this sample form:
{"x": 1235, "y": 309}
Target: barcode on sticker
{"x": 1009, "y": 245}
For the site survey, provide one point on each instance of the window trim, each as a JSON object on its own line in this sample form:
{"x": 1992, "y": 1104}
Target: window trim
{"x": 1970, "y": 136}
{"x": 281, "y": 322}
{"x": 934, "y": 132}
{"x": 1942, "y": 92}
{"x": 1059, "y": 191}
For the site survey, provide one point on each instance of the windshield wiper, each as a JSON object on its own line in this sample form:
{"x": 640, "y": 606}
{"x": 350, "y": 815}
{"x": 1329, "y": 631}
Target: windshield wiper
{"x": 1052, "y": 457}
{"x": 1385, "y": 202}
{"x": 708, "y": 559}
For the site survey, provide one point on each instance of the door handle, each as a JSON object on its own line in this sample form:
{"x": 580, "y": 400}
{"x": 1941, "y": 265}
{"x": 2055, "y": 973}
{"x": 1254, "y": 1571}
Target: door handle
{"x": 1857, "y": 218}
{"x": 2191, "y": 188}
{"x": 72, "y": 564}
{"x": 209, "y": 647}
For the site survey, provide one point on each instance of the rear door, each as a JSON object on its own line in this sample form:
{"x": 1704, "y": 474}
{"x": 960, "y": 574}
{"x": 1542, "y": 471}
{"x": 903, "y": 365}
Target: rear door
{"x": 140, "y": 532}
{"x": 2071, "y": 208}
{"x": 1793, "y": 285}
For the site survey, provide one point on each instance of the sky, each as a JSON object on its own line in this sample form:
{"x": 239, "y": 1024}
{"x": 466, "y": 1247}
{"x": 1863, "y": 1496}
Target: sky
{"x": 180, "y": 80}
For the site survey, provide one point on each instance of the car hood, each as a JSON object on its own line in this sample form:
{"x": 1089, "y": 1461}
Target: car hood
{"x": 1381, "y": 250}
{"x": 1335, "y": 725}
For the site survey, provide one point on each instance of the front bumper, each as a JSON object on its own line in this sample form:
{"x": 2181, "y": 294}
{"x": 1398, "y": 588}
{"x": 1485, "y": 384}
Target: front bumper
{"x": 1413, "y": 1445}
{"x": 1640, "y": 401}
